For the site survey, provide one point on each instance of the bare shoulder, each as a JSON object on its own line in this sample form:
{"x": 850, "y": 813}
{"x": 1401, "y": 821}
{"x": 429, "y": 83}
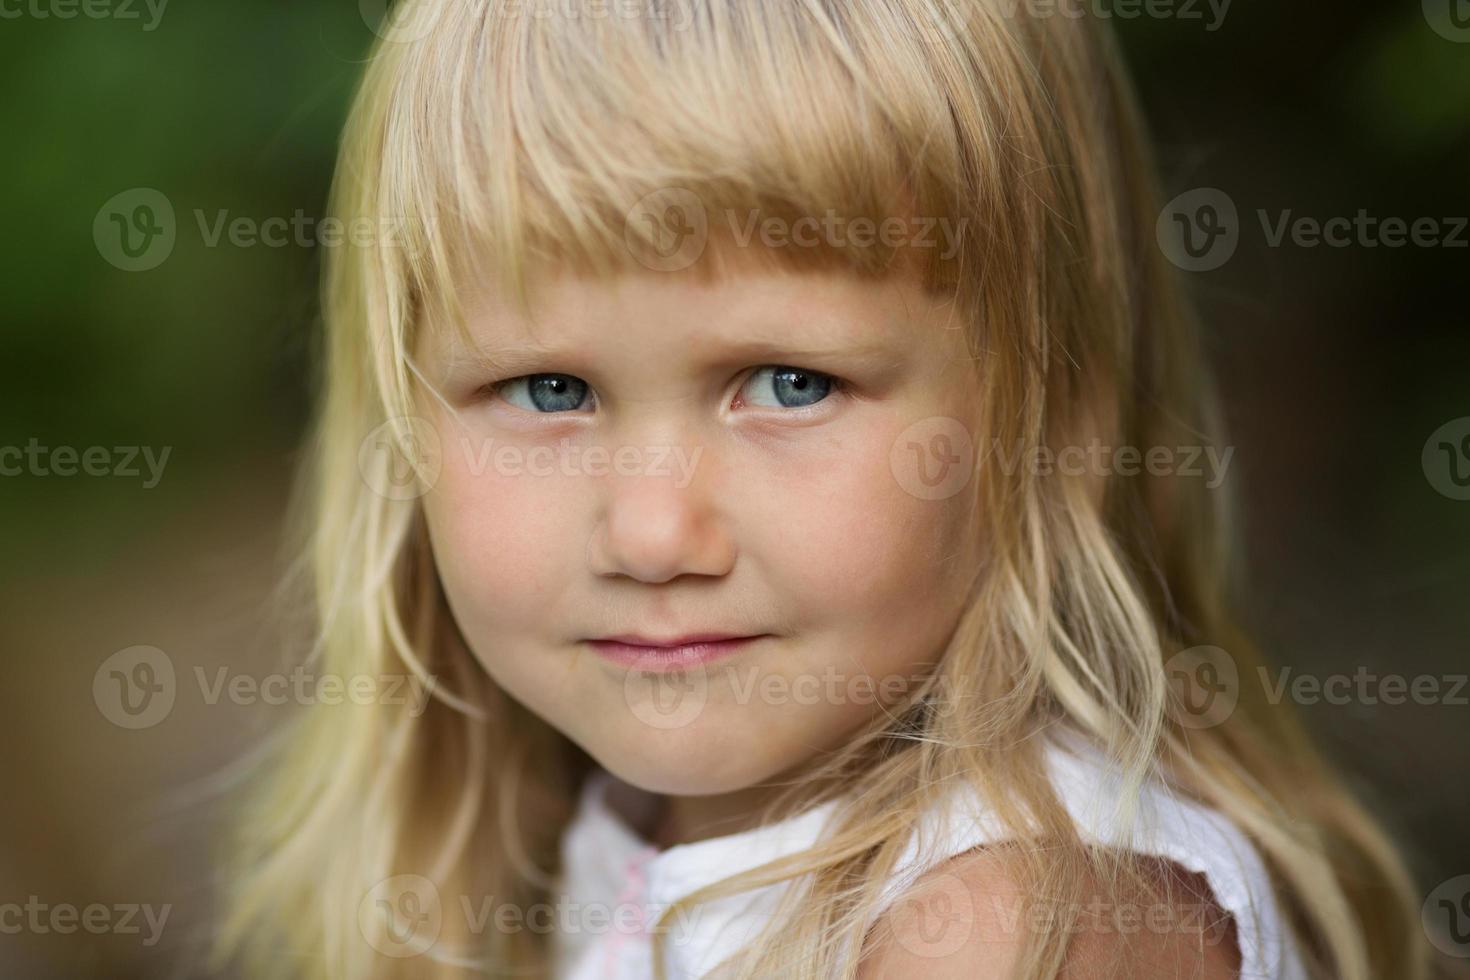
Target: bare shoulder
{"x": 968, "y": 919}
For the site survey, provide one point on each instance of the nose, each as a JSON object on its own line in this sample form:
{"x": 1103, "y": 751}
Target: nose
{"x": 654, "y": 530}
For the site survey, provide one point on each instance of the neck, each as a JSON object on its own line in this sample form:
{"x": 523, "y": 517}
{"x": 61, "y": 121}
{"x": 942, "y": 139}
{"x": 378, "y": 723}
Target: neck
{"x": 668, "y": 820}
{"x": 686, "y": 819}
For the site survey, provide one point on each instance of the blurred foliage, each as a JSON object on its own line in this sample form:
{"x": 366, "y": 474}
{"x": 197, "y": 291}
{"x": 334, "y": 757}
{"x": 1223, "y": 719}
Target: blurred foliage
{"x": 222, "y": 107}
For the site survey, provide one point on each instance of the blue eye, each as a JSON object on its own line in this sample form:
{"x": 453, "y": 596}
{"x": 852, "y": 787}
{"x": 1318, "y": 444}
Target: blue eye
{"x": 790, "y": 387}
{"x": 770, "y": 386}
{"x": 545, "y": 393}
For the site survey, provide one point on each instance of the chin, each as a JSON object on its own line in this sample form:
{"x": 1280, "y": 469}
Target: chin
{"x": 679, "y": 763}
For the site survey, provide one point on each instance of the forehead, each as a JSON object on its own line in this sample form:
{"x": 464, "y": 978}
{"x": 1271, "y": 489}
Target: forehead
{"x": 745, "y": 306}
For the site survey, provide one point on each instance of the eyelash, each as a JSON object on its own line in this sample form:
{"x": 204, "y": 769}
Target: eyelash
{"x": 836, "y": 386}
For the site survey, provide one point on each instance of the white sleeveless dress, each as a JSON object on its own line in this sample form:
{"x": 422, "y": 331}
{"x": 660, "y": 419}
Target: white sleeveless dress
{"x": 616, "y": 884}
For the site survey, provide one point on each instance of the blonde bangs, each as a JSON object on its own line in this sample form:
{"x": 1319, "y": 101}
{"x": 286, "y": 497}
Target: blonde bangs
{"x": 561, "y": 142}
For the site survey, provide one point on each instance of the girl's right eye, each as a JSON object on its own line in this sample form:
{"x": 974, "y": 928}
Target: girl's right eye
{"x": 544, "y": 393}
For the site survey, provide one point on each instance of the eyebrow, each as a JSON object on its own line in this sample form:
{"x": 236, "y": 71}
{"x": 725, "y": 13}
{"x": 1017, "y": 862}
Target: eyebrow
{"x": 501, "y": 358}
{"x": 873, "y": 354}
{"x": 510, "y": 360}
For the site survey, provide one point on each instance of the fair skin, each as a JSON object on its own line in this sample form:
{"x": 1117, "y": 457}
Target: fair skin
{"x": 967, "y": 920}
{"x": 790, "y": 523}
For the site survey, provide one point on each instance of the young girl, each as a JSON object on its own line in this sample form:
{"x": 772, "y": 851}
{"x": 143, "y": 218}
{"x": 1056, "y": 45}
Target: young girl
{"x": 738, "y": 422}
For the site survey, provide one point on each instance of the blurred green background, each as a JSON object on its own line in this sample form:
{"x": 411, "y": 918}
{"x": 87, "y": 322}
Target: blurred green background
{"x": 1336, "y": 364}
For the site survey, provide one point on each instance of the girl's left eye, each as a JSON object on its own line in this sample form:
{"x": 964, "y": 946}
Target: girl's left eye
{"x": 780, "y": 386}
{"x": 544, "y": 393}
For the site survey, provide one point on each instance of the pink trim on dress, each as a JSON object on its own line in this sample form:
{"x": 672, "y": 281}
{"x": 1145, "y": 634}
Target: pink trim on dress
{"x": 632, "y": 888}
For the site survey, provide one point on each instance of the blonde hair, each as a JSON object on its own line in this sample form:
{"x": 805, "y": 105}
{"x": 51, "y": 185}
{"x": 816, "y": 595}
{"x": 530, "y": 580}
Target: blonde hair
{"x": 528, "y": 140}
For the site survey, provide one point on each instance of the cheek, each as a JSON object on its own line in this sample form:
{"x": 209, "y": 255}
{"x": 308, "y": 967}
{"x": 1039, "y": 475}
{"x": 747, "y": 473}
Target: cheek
{"x": 506, "y": 544}
{"x": 859, "y": 555}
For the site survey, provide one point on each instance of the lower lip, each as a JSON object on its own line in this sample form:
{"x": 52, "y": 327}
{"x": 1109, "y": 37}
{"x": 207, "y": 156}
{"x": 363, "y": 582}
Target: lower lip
{"x": 658, "y": 659}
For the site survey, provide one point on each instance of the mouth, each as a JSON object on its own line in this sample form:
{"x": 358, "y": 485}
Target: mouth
{"x": 655, "y": 655}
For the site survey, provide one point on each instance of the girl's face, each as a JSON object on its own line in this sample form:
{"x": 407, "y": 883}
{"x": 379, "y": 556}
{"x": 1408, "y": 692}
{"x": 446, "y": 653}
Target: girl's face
{"x": 769, "y": 455}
